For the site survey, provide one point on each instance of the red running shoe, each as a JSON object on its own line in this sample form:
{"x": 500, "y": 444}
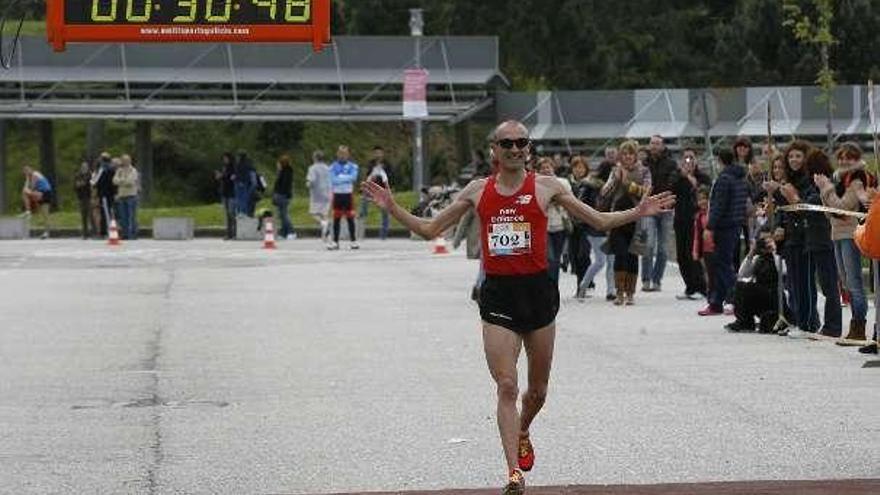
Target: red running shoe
{"x": 526, "y": 454}
{"x": 516, "y": 483}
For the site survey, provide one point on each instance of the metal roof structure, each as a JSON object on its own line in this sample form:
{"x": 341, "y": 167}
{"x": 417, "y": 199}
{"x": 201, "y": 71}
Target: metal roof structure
{"x": 685, "y": 113}
{"x": 355, "y": 78}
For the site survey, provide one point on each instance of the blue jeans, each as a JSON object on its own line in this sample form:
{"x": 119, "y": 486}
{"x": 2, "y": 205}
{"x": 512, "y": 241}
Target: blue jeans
{"x": 243, "y": 199}
{"x": 283, "y": 204}
{"x": 654, "y": 264}
{"x": 849, "y": 264}
{"x": 802, "y": 288}
{"x": 555, "y": 244}
{"x": 610, "y": 284}
{"x": 127, "y": 209}
{"x": 598, "y": 258}
{"x": 229, "y": 212}
{"x": 726, "y": 242}
{"x": 386, "y": 219}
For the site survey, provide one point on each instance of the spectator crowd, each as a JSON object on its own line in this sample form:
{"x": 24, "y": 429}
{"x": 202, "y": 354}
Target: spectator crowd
{"x": 744, "y": 241}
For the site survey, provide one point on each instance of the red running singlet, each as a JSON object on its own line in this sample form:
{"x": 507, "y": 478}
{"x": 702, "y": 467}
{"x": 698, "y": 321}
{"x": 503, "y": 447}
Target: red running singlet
{"x": 513, "y": 230}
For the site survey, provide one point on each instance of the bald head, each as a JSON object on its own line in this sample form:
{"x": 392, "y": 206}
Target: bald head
{"x": 510, "y": 145}
{"x": 510, "y": 128}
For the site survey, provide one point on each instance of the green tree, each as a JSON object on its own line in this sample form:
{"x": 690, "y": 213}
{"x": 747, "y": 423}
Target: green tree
{"x": 813, "y": 28}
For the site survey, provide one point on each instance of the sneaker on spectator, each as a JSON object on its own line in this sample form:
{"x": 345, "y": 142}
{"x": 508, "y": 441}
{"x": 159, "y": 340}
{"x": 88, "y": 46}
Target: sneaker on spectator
{"x": 738, "y": 326}
{"x": 610, "y": 297}
{"x": 710, "y": 311}
{"x": 797, "y": 333}
{"x": 648, "y": 286}
{"x": 291, "y": 236}
{"x": 333, "y": 246}
{"x": 869, "y": 349}
{"x": 824, "y": 332}
{"x": 687, "y": 297}
{"x": 354, "y": 245}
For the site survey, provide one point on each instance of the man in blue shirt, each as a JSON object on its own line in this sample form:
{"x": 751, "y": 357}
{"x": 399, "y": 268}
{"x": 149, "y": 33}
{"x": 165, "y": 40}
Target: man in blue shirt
{"x": 727, "y": 212}
{"x": 343, "y": 176}
{"x": 37, "y": 195}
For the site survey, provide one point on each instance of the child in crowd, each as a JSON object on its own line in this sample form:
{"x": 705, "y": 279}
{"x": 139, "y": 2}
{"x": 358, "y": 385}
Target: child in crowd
{"x": 704, "y": 246}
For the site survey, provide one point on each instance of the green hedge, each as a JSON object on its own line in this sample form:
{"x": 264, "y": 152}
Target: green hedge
{"x": 211, "y": 215}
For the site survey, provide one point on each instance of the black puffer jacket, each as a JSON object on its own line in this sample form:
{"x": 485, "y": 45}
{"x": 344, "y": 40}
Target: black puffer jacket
{"x": 729, "y": 199}
{"x": 805, "y": 229}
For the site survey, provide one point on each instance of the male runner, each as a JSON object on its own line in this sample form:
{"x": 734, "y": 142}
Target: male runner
{"x": 518, "y": 301}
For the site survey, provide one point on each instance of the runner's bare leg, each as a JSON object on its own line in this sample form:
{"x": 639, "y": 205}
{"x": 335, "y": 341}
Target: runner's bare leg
{"x": 539, "y": 354}
{"x": 502, "y": 347}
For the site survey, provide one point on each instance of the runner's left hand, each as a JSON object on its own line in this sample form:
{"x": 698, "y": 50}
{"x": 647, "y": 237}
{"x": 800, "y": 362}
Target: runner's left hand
{"x": 658, "y": 203}
{"x": 380, "y": 195}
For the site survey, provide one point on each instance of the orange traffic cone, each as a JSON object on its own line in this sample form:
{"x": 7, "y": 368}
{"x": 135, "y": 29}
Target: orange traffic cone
{"x": 269, "y": 235}
{"x": 440, "y": 246}
{"x": 113, "y": 238}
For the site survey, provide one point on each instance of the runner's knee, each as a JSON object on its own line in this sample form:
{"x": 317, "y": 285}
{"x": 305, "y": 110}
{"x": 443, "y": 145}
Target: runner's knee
{"x": 507, "y": 388}
{"x": 536, "y": 395}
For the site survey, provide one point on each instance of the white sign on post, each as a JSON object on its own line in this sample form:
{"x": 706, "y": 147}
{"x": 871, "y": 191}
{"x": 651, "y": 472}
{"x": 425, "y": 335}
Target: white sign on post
{"x": 415, "y": 104}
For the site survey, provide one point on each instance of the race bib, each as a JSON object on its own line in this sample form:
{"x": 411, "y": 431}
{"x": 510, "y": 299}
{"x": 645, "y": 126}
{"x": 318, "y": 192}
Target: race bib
{"x": 510, "y": 239}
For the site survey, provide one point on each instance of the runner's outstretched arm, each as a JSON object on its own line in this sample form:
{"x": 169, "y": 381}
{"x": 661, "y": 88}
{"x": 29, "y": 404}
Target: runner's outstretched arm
{"x": 649, "y": 206}
{"x": 426, "y": 228}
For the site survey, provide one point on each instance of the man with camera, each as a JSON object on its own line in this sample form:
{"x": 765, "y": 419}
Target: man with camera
{"x": 685, "y": 184}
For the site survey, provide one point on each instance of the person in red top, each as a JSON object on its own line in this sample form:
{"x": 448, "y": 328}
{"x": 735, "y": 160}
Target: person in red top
{"x": 518, "y": 301}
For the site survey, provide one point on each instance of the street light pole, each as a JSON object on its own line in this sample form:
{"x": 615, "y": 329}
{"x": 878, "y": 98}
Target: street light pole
{"x": 416, "y": 24}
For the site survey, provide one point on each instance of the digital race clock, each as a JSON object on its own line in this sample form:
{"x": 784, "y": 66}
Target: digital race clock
{"x": 188, "y": 21}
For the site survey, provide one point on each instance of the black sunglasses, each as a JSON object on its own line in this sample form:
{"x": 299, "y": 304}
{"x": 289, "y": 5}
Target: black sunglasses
{"x": 507, "y": 144}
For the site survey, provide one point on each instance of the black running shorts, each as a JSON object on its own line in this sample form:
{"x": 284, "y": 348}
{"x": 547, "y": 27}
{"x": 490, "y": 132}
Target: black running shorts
{"x": 522, "y": 303}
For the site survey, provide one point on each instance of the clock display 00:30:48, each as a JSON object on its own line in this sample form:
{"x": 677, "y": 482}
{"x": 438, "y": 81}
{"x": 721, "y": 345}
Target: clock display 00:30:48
{"x": 198, "y": 11}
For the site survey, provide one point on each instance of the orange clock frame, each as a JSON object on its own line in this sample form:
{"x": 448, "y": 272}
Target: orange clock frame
{"x": 60, "y": 33}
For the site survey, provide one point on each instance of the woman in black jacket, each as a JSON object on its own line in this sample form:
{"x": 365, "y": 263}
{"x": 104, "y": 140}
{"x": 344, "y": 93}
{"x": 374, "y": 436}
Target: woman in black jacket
{"x": 282, "y": 195}
{"x": 578, "y": 244}
{"x": 808, "y": 247}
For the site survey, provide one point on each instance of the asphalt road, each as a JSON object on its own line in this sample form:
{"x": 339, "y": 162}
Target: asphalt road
{"x": 218, "y": 367}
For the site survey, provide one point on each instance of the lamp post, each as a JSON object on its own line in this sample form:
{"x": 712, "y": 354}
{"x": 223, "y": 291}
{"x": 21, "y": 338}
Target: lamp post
{"x": 416, "y": 24}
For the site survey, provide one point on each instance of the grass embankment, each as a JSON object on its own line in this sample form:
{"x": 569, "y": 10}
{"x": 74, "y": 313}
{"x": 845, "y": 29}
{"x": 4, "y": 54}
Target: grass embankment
{"x": 28, "y": 28}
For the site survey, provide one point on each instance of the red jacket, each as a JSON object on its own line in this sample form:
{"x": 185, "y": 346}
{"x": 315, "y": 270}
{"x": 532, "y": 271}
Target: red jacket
{"x": 703, "y": 242}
